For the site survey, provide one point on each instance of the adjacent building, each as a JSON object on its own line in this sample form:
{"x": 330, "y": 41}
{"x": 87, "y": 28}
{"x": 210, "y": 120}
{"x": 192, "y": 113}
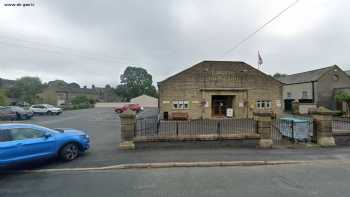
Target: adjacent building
{"x": 145, "y": 100}
{"x": 316, "y": 87}
{"x": 218, "y": 89}
{"x": 63, "y": 95}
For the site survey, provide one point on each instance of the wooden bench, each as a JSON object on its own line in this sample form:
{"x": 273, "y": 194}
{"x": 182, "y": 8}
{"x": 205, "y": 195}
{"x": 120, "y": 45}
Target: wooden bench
{"x": 179, "y": 115}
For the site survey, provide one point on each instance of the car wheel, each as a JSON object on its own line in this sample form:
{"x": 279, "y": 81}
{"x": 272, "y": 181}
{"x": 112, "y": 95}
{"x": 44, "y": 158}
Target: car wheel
{"x": 69, "y": 152}
{"x": 18, "y": 116}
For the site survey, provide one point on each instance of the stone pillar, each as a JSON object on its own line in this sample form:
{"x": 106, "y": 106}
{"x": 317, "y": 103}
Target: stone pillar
{"x": 323, "y": 126}
{"x": 127, "y": 124}
{"x": 264, "y": 129}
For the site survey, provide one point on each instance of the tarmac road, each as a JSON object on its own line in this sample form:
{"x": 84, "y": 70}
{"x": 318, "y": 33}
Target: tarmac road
{"x": 313, "y": 179}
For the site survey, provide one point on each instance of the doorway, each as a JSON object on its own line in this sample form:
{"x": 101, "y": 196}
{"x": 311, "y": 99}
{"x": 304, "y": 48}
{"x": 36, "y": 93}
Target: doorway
{"x": 220, "y": 104}
{"x": 288, "y": 105}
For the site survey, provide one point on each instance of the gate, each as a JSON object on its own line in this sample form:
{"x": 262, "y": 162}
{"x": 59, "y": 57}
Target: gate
{"x": 292, "y": 130}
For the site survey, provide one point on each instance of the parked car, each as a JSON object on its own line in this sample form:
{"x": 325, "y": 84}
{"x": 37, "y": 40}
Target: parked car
{"x": 134, "y": 107}
{"x": 46, "y": 109}
{"x": 15, "y": 113}
{"x": 28, "y": 142}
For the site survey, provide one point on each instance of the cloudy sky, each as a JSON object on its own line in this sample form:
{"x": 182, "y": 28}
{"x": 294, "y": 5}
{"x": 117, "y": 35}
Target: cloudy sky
{"x": 92, "y": 41}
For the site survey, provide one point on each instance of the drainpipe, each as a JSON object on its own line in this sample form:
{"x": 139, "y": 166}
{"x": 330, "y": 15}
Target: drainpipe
{"x": 313, "y": 91}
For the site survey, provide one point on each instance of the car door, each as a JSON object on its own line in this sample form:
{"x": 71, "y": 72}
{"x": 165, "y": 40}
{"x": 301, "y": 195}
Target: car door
{"x": 33, "y": 143}
{"x": 8, "y": 148}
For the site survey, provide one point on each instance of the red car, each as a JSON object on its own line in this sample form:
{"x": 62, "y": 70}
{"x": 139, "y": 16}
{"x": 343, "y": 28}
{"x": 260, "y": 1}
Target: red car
{"x": 134, "y": 107}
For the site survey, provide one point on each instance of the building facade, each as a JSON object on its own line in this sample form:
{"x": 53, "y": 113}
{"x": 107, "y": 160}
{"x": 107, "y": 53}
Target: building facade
{"x": 316, "y": 87}
{"x": 59, "y": 96}
{"x": 145, "y": 101}
{"x": 218, "y": 89}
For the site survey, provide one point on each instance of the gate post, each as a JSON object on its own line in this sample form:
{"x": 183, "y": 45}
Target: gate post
{"x": 323, "y": 126}
{"x": 264, "y": 129}
{"x": 127, "y": 129}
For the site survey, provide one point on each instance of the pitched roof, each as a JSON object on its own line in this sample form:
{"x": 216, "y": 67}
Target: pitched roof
{"x": 220, "y": 65}
{"x": 312, "y": 75}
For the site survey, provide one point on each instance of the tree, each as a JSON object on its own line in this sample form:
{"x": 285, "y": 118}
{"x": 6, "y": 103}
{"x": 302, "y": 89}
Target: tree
{"x": 344, "y": 97}
{"x": 74, "y": 85}
{"x": 26, "y": 88}
{"x": 57, "y": 83}
{"x": 279, "y": 75}
{"x": 135, "y": 81}
{"x": 3, "y": 98}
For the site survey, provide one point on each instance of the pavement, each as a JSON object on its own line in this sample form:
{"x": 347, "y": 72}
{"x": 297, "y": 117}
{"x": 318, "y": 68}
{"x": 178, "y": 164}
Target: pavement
{"x": 103, "y": 126}
{"x": 312, "y": 179}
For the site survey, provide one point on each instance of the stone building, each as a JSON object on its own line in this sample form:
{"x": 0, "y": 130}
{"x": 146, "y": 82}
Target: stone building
{"x": 316, "y": 87}
{"x": 63, "y": 95}
{"x": 218, "y": 89}
{"x": 145, "y": 101}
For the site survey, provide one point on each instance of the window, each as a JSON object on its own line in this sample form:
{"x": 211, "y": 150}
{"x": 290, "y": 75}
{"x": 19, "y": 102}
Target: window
{"x": 26, "y": 133}
{"x": 5, "y": 135}
{"x": 289, "y": 95}
{"x": 263, "y": 104}
{"x": 180, "y": 104}
{"x": 304, "y": 95}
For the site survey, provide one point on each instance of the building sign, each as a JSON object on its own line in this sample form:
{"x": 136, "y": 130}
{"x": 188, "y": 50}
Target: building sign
{"x": 278, "y": 103}
{"x": 229, "y": 112}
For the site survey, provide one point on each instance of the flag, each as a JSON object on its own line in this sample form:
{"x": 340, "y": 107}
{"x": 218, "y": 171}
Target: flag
{"x": 260, "y": 60}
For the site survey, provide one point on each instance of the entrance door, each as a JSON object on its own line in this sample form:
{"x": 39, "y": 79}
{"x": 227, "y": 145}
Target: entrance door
{"x": 288, "y": 105}
{"x": 220, "y": 105}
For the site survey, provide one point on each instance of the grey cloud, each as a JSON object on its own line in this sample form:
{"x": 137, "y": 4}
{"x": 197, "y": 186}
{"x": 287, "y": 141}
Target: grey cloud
{"x": 104, "y": 37}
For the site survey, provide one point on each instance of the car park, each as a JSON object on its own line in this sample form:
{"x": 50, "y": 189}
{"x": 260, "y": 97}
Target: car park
{"x": 46, "y": 109}
{"x": 15, "y": 113}
{"x": 134, "y": 107}
{"x": 29, "y": 142}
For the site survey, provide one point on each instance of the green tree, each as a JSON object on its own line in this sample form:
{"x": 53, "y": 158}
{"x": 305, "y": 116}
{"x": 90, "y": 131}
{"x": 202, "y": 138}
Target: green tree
{"x": 344, "y": 97}
{"x": 135, "y": 81}
{"x": 74, "y": 85}
{"x": 58, "y": 83}
{"x": 3, "y": 98}
{"x": 81, "y": 102}
{"x": 25, "y": 89}
{"x": 279, "y": 75}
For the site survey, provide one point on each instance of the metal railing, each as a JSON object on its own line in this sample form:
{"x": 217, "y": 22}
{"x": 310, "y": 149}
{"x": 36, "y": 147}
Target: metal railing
{"x": 152, "y": 126}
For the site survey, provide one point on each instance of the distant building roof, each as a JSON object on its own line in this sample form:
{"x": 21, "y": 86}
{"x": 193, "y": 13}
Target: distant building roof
{"x": 312, "y": 75}
{"x": 6, "y": 83}
{"x": 347, "y": 72}
{"x": 74, "y": 90}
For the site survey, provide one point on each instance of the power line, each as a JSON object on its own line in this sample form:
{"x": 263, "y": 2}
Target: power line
{"x": 58, "y": 50}
{"x": 260, "y": 28}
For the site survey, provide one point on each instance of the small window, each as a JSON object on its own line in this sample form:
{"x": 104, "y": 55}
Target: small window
{"x": 289, "y": 95}
{"x": 263, "y": 104}
{"x": 180, "y": 104}
{"x": 335, "y": 77}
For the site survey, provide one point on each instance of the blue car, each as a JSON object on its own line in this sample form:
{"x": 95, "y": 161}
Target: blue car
{"x": 28, "y": 142}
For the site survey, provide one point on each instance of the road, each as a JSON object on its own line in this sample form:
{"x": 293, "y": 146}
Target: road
{"x": 314, "y": 179}
{"x": 103, "y": 126}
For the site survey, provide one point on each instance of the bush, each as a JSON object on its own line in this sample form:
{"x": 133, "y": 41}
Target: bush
{"x": 82, "y": 102}
{"x": 3, "y": 98}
